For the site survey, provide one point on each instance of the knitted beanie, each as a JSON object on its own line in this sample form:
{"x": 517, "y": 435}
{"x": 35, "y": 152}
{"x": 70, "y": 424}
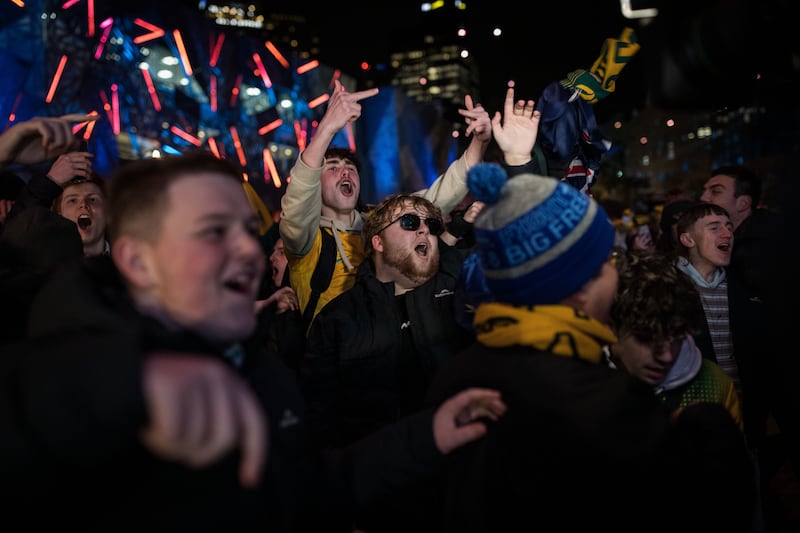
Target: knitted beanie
{"x": 539, "y": 239}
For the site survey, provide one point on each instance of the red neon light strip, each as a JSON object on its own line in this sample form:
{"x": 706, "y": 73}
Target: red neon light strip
{"x": 68, "y": 4}
{"x": 238, "y": 145}
{"x": 262, "y": 71}
{"x": 277, "y": 54}
{"x": 187, "y": 66}
{"x": 269, "y": 164}
{"x": 78, "y": 127}
{"x": 319, "y": 100}
{"x": 212, "y": 144}
{"x": 266, "y": 128}
{"x": 350, "y": 139}
{"x": 336, "y": 75}
{"x": 185, "y": 136}
{"x": 155, "y": 31}
{"x": 216, "y": 48}
{"x": 235, "y": 90}
{"x": 301, "y": 138}
{"x": 13, "y": 115}
{"x": 89, "y": 130}
{"x": 303, "y": 133}
{"x": 151, "y": 89}
{"x": 106, "y": 105}
{"x": 212, "y": 96}
{"x": 115, "y": 108}
{"x": 56, "y": 79}
{"x": 311, "y": 65}
{"x": 90, "y": 17}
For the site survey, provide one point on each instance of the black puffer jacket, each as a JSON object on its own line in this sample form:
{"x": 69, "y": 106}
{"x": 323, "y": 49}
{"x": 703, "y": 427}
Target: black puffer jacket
{"x": 370, "y": 355}
{"x": 73, "y": 408}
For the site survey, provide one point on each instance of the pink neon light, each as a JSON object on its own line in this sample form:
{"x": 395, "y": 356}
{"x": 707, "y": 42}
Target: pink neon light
{"x": 187, "y": 66}
{"x": 277, "y": 54}
{"x": 336, "y": 75}
{"x": 185, "y": 136}
{"x": 106, "y": 105}
{"x": 269, "y": 164}
{"x": 87, "y": 123}
{"x": 155, "y": 31}
{"x": 56, "y": 79}
{"x": 90, "y": 17}
{"x": 238, "y": 145}
{"x": 319, "y": 100}
{"x": 213, "y": 93}
{"x": 115, "y": 108}
{"x": 216, "y": 48}
{"x": 262, "y": 71}
{"x": 13, "y": 115}
{"x": 269, "y": 127}
{"x": 151, "y": 89}
{"x": 301, "y": 136}
{"x": 235, "y": 90}
{"x": 68, "y": 4}
{"x": 350, "y": 139}
{"x": 87, "y": 134}
{"x": 311, "y": 65}
{"x": 106, "y": 25}
{"x": 212, "y": 144}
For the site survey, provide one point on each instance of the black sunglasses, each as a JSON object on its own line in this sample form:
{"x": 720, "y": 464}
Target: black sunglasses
{"x": 410, "y": 222}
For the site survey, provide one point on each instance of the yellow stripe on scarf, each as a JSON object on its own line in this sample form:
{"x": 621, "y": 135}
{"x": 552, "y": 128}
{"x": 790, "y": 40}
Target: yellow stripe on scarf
{"x": 558, "y": 329}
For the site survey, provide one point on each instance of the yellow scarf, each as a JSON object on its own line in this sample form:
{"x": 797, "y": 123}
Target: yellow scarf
{"x": 558, "y": 329}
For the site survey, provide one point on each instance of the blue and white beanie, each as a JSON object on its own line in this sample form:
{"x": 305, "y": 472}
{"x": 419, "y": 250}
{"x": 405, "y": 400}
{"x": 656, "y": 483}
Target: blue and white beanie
{"x": 539, "y": 239}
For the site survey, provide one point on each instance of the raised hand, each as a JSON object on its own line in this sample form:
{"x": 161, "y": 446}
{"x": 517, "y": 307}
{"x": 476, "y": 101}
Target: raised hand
{"x": 477, "y": 118}
{"x": 343, "y": 107}
{"x": 70, "y": 165}
{"x": 199, "y": 410}
{"x": 516, "y": 129}
{"x": 461, "y": 418}
{"x": 40, "y": 139}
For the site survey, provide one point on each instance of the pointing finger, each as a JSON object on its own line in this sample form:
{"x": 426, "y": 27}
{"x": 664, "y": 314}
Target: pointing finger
{"x": 360, "y": 95}
{"x": 79, "y": 117}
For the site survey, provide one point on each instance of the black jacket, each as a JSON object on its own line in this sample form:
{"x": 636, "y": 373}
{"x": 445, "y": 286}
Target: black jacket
{"x": 583, "y": 447}
{"x": 72, "y": 410}
{"x": 370, "y": 355}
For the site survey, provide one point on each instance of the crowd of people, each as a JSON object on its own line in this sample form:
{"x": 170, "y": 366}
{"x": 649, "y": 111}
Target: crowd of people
{"x": 474, "y": 356}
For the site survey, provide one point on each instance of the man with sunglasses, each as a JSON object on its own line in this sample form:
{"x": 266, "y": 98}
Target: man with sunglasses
{"x": 372, "y": 350}
{"x": 320, "y": 217}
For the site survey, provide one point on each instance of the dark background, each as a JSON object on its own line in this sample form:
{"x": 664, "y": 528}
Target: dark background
{"x": 703, "y": 54}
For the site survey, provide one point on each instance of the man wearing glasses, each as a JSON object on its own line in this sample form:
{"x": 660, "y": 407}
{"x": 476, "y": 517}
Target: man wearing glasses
{"x": 373, "y": 350}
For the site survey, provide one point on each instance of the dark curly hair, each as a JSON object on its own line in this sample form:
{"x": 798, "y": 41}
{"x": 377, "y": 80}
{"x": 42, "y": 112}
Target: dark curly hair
{"x": 344, "y": 154}
{"x": 655, "y": 302}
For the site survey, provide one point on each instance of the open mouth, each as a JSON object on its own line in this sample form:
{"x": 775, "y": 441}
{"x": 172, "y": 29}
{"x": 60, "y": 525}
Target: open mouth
{"x": 724, "y": 246}
{"x": 422, "y": 249}
{"x": 346, "y": 187}
{"x": 240, "y": 284}
{"x": 84, "y": 221}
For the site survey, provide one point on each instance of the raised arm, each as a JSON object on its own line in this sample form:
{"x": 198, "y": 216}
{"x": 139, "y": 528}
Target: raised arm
{"x": 451, "y": 187}
{"x": 40, "y": 139}
{"x": 516, "y": 129}
{"x": 301, "y": 205}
